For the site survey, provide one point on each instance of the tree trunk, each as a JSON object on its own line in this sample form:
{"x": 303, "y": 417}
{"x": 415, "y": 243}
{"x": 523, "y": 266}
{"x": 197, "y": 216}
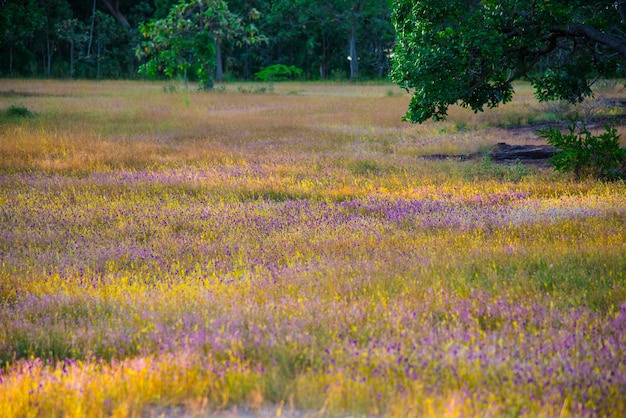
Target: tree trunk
{"x": 324, "y": 63}
{"x": 246, "y": 65}
{"x": 98, "y": 58}
{"x": 380, "y": 58}
{"x": 131, "y": 64}
{"x": 354, "y": 58}
{"x": 219, "y": 69}
{"x": 93, "y": 20}
{"x": 49, "y": 49}
{"x": 11, "y": 60}
{"x": 115, "y": 11}
{"x": 72, "y": 60}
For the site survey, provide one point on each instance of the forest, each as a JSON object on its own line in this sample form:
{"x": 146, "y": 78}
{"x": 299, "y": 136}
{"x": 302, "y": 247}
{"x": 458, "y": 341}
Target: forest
{"x": 101, "y": 39}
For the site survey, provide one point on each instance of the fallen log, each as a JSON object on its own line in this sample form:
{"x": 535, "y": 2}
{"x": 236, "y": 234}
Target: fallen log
{"x": 530, "y": 153}
{"x": 506, "y": 153}
{"x": 503, "y": 153}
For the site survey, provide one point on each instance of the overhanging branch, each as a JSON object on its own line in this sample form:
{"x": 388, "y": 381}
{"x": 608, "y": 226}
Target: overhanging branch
{"x": 114, "y": 8}
{"x": 578, "y": 30}
{"x": 535, "y": 56}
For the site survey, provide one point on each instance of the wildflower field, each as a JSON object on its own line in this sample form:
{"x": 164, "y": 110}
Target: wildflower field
{"x": 292, "y": 253}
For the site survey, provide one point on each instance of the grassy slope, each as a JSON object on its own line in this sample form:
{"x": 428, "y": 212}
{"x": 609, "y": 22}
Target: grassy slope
{"x": 214, "y": 249}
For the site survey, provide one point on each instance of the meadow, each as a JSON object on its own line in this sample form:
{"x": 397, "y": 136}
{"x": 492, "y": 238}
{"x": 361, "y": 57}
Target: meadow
{"x": 292, "y": 253}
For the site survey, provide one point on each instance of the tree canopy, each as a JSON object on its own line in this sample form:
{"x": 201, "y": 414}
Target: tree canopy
{"x": 471, "y": 51}
{"x": 189, "y": 38}
{"x": 99, "y": 38}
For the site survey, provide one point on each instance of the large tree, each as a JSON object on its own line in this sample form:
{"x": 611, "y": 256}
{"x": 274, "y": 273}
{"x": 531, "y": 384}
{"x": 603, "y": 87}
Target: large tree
{"x": 189, "y": 38}
{"x": 75, "y": 33}
{"x": 470, "y": 51}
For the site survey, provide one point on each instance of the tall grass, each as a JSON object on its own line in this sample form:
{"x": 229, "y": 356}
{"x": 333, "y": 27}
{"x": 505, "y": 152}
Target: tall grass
{"x": 188, "y": 253}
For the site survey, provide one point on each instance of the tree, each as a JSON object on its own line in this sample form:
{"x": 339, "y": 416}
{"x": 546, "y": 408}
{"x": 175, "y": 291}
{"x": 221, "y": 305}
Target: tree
{"x": 19, "y": 21}
{"x": 319, "y": 35}
{"x": 354, "y": 11}
{"x": 47, "y": 38}
{"x": 105, "y": 32}
{"x": 76, "y": 34}
{"x": 471, "y": 51}
{"x": 56, "y": 12}
{"x": 377, "y": 38}
{"x": 114, "y": 8}
{"x": 189, "y": 38}
{"x": 306, "y": 34}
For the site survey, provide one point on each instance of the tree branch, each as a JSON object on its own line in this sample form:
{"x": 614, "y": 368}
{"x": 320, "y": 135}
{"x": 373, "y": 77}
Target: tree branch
{"x": 536, "y": 56}
{"x": 621, "y": 7}
{"x": 115, "y": 11}
{"x": 615, "y": 42}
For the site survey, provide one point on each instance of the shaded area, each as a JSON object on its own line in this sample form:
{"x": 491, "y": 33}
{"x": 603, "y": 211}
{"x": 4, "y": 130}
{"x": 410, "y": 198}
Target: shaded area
{"x": 529, "y": 154}
{"x": 14, "y": 93}
{"x": 504, "y": 152}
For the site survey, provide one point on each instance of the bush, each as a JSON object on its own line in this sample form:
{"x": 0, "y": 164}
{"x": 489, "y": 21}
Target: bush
{"x": 251, "y": 90}
{"x": 278, "y": 72}
{"x": 584, "y": 154}
{"x": 19, "y": 112}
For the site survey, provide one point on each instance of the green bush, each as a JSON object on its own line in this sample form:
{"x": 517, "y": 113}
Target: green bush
{"x": 584, "y": 154}
{"x": 278, "y": 72}
{"x": 15, "y": 111}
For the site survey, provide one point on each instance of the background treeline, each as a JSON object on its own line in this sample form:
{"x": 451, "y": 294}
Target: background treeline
{"x": 98, "y": 39}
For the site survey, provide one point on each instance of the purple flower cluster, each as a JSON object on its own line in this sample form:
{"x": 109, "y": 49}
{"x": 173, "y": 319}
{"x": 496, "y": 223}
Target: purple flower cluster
{"x": 374, "y": 287}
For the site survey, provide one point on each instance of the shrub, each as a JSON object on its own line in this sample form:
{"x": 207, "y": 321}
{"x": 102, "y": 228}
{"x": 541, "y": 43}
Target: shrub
{"x": 278, "y": 72}
{"x": 584, "y": 154}
{"x": 251, "y": 90}
{"x": 19, "y": 112}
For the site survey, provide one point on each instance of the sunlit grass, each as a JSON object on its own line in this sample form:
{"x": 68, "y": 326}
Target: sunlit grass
{"x": 188, "y": 252}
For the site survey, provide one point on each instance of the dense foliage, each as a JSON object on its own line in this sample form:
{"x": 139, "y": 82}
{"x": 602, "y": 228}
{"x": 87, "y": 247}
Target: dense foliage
{"x": 278, "y": 72}
{"x": 470, "y": 51}
{"x": 189, "y": 38}
{"x": 99, "y": 38}
{"x": 585, "y": 154}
